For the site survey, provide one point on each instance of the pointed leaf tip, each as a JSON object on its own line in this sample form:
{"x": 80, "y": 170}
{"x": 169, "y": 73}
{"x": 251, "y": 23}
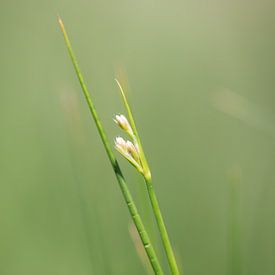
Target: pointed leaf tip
{"x": 60, "y": 22}
{"x": 120, "y": 88}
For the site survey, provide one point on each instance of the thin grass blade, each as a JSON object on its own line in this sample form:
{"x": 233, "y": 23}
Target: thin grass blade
{"x": 123, "y": 186}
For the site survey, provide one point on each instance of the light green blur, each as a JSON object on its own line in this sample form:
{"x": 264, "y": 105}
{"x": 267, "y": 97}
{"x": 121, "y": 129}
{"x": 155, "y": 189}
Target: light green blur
{"x": 201, "y": 84}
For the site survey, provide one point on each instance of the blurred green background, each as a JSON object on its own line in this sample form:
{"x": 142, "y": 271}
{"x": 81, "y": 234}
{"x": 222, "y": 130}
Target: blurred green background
{"x": 201, "y": 82}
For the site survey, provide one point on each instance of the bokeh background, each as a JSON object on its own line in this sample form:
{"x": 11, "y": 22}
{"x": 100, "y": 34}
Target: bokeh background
{"x": 200, "y": 77}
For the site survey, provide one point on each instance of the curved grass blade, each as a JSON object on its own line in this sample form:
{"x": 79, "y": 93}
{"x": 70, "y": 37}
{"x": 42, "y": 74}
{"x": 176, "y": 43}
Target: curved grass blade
{"x": 152, "y": 195}
{"x": 145, "y": 166}
{"x": 123, "y": 186}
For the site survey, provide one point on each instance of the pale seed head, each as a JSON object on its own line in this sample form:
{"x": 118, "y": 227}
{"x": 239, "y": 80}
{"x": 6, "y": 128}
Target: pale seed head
{"x": 123, "y": 123}
{"x": 120, "y": 144}
{"x": 132, "y": 150}
{"x": 129, "y": 151}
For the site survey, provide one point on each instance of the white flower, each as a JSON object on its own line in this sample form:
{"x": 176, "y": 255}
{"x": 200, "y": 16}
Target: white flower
{"x": 129, "y": 151}
{"x": 132, "y": 150}
{"x": 123, "y": 123}
{"x": 120, "y": 145}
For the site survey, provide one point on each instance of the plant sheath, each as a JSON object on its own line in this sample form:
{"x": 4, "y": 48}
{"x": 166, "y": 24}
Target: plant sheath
{"x": 152, "y": 195}
{"x": 123, "y": 186}
{"x": 161, "y": 225}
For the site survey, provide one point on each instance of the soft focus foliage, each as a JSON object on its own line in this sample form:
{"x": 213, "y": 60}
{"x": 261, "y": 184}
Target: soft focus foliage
{"x": 201, "y": 82}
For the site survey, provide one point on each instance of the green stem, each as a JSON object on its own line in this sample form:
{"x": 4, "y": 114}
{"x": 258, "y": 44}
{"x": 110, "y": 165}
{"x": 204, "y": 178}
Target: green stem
{"x": 123, "y": 186}
{"x": 161, "y": 225}
{"x": 154, "y": 202}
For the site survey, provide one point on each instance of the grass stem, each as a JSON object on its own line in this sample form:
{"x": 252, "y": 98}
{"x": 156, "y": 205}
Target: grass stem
{"x": 161, "y": 225}
{"x": 123, "y": 186}
{"x": 153, "y": 198}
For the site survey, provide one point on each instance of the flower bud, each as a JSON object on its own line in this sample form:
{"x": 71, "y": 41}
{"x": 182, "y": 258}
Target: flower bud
{"x": 120, "y": 144}
{"x": 132, "y": 150}
{"x": 123, "y": 123}
{"x": 129, "y": 151}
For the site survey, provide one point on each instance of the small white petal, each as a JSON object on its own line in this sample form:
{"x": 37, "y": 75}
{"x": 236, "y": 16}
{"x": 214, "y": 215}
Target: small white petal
{"x": 132, "y": 150}
{"x": 120, "y": 140}
{"x": 123, "y": 123}
{"x": 129, "y": 151}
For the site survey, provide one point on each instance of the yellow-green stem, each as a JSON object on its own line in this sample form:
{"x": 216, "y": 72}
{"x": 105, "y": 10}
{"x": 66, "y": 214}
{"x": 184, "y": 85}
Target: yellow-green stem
{"x": 154, "y": 202}
{"x": 161, "y": 225}
{"x": 123, "y": 186}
